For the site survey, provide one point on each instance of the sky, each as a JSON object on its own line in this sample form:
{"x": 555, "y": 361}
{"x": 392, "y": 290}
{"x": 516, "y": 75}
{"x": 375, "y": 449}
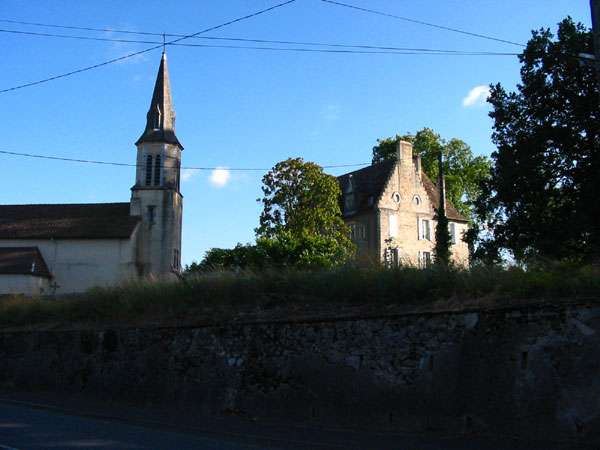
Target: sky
{"x": 244, "y": 108}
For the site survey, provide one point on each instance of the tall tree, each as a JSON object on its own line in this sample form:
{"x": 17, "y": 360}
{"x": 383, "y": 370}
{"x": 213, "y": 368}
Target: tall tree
{"x": 542, "y": 197}
{"x": 301, "y": 215}
{"x": 442, "y": 234}
{"x": 463, "y": 171}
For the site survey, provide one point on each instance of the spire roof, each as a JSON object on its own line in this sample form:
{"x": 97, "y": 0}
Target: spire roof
{"x": 160, "y": 120}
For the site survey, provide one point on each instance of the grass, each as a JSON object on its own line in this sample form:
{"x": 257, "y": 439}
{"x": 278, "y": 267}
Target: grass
{"x": 225, "y": 295}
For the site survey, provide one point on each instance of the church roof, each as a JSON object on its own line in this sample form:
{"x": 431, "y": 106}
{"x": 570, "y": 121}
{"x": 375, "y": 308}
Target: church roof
{"x": 67, "y": 221}
{"x": 369, "y": 183}
{"x": 160, "y": 120}
{"x": 23, "y": 261}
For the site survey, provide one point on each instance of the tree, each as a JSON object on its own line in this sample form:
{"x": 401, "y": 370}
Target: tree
{"x": 463, "y": 171}
{"x": 542, "y": 197}
{"x": 301, "y": 216}
{"x": 442, "y": 234}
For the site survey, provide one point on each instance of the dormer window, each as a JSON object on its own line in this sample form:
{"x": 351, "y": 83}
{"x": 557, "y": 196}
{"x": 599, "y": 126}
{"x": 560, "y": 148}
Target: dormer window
{"x": 157, "y": 117}
{"x": 349, "y": 197}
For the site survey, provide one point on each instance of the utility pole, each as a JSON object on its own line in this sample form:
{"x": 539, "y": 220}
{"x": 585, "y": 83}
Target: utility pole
{"x": 595, "y": 7}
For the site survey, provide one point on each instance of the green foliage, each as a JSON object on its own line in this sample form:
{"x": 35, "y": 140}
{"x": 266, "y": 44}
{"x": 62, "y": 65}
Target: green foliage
{"x": 442, "y": 240}
{"x": 242, "y": 256}
{"x": 463, "y": 171}
{"x": 216, "y": 296}
{"x": 542, "y": 197}
{"x": 301, "y": 222}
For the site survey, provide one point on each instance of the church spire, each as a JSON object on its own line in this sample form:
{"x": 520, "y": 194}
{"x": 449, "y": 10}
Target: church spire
{"x": 160, "y": 120}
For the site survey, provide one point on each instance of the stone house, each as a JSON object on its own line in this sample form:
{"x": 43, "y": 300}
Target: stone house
{"x": 390, "y": 209}
{"x": 64, "y": 248}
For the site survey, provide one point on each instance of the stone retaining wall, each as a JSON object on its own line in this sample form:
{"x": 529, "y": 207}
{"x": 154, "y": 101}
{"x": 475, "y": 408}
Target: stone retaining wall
{"x": 531, "y": 371}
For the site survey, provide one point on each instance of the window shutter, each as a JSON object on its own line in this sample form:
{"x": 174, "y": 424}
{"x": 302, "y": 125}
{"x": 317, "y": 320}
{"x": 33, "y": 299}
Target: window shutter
{"x": 419, "y": 229}
{"x": 393, "y": 225}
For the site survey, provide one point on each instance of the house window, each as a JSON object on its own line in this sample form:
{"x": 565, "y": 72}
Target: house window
{"x": 452, "y": 233}
{"x": 148, "y": 170}
{"x": 425, "y": 229}
{"x": 358, "y": 232}
{"x": 393, "y": 225}
{"x": 391, "y": 257}
{"x": 424, "y": 260}
{"x": 157, "y": 171}
{"x": 396, "y": 197}
{"x": 417, "y": 200}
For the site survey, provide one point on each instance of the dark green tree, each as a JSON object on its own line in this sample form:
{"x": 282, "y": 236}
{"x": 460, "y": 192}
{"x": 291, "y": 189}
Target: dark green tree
{"x": 301, "y": 216}
{"x": 442, "y": 233}
{"x": 542, "y": 199}
{"x": 463, "y": 171}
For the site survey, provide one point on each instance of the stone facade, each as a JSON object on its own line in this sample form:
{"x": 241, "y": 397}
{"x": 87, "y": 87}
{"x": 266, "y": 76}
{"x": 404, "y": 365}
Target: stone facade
{"x": 390, "y": 208}
{"x": 529, "y": 371}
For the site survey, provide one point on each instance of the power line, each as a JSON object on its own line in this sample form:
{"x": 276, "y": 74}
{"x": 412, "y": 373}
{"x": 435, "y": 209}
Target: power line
{"x": 149, "y": 33}
{"x": 130, "y": 55}
{"x": 371, "y": 48}
{"x": 113, "y": 163}
{"x": 420, "y": 22}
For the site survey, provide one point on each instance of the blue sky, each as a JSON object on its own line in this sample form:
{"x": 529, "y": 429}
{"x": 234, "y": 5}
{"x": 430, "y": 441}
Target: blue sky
{"x": 240, "y": 107}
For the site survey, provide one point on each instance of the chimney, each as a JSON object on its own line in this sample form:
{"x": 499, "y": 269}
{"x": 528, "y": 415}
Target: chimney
{"x": 418, "y": 165}
{"x": 404, "y": 152}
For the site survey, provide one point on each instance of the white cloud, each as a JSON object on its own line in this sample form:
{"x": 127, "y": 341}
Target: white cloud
{"x": 220, "y": 177}
{"x": 187, "y": 174}
{"x": 476, "y": 96}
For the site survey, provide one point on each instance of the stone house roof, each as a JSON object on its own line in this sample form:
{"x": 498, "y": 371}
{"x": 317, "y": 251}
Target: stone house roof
{"x": 67, "y": 221}
{"x": 23, "y": 261}
{"x": 369, "y": 183}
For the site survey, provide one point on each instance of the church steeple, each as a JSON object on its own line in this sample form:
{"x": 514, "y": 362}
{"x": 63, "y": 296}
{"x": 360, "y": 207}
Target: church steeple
{"x": 160, "y": 120}
{"x": 155, "y": 196}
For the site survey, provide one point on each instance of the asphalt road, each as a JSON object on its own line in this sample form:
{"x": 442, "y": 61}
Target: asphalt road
{"x": 25, "y": 428}
{"x": 29, "y": 428}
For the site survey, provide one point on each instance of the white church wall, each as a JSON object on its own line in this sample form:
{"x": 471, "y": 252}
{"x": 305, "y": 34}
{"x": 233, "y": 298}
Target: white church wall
{"x": 79, "y": 264}
{"x": 23, "y": 284}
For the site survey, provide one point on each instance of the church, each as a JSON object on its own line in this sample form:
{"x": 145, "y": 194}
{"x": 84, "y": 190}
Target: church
{"x": 66, "y": 248}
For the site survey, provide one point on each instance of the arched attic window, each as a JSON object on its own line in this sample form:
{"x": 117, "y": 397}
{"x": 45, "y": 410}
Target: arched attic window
{"x": 349, "y": 196}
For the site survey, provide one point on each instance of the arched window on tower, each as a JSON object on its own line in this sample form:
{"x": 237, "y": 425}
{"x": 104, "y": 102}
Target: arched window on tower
{"x": 157, "y": 171}
{"x": 148, "y": 170}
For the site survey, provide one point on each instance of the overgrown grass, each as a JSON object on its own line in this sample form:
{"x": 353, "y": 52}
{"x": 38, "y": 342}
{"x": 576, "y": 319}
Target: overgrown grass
{"x": 224, "y": 295}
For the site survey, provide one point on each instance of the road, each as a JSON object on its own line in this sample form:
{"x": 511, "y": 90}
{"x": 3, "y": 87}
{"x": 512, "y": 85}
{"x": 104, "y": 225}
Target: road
{"x": 30, "y": 428}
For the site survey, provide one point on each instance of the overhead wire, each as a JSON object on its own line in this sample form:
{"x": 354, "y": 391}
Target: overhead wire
{"x": 113, "y": 163}
{"x": 421, "y": 22}
{"x": 363, "y": 49}
{"x": 130, "y": 55}
{"x": 222, "y": 38}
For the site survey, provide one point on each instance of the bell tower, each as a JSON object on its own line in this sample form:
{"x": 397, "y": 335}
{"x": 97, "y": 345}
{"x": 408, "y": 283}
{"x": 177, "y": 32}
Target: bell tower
{"x": 155, "y": 197}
